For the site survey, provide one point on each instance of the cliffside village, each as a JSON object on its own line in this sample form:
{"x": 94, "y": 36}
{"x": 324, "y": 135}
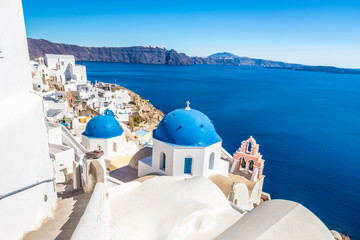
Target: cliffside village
{"x": 101, "y": 133}
{"x": 105, "y": 164}
{"x": 71, "y": 100}
{"x": 116, "y": 123}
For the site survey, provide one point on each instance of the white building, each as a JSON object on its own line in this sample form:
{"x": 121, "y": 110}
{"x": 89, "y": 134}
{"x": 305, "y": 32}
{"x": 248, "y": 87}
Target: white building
{"x": 102, "y": 100}
{"x": 61, "y": 68}
{"x": 27, "y": 192}
{"x": 61, "y": 63}
{"x": 185, "y": 144}
{"x": 78, "y": 73}
{"x": 104, "y": 133}
{"x": 56, "y": 107}
{"x": 53, "y": 61}
{"x": 63, "y": 156}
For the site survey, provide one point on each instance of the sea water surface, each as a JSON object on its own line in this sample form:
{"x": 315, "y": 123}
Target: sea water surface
{"x": 307, "y": 125}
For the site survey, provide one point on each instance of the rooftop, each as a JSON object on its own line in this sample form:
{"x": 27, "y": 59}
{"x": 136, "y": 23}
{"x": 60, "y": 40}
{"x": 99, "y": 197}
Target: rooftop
{"x": 169, "y": 208}
{"x": 71, "y": 57}
{"x": 103, "y": 126}
{"x": 187, "y": 127}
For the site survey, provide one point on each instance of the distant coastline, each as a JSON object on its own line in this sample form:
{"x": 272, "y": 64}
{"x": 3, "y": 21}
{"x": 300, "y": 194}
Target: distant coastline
{"x": 320, "y": 69}
{"x": 160, "y": 55}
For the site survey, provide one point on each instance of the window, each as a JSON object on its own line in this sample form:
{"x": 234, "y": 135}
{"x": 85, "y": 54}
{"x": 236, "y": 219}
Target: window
{"x": 62, "y": 63}
{"x": 243, "y": 163}
{"x": 188, "y": 165}
{"x": 114, "y": 147}
{"x": 211, "y": 161}
{"x": 251, "y": 165}
{"x": 162, "y": 161}
{"x": 249, "y": 147}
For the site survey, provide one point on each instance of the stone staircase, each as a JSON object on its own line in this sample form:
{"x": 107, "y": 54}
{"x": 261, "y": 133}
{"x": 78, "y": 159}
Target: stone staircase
{"x": 71, "y": 207}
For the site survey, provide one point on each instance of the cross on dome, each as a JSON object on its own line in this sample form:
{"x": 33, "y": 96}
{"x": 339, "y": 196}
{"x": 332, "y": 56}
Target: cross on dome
{"x": 187, "y": 106}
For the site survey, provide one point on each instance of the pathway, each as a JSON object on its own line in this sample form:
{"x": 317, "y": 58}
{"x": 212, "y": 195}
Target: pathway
{"x": 71, "y": 207}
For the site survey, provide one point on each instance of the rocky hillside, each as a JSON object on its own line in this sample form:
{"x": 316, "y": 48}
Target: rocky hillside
{"x": 243, "y": 61}
{"x": 146, "y": 110}
{"x": 144, "y": 55}
{"x": 160, "y": 55}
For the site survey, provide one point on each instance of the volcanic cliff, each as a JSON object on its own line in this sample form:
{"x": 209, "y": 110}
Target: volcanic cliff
{"x": 160, "y": 55}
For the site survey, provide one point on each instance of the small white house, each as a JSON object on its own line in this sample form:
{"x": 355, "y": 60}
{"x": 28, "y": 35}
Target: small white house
{"x": 185, "y": 144}
{"x": 65, "y": 70}
{"x": 56, "y": 106}
{"x": 59, "y": 61}
{"x": 78, "y": 73}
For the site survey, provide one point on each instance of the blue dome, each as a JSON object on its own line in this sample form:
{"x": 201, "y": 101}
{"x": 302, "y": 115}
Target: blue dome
{"x": 103, "y": 126}
{"x": 187, "y": 128}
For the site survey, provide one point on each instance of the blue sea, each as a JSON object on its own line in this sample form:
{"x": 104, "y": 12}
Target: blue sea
{"x": 307, "y": 125}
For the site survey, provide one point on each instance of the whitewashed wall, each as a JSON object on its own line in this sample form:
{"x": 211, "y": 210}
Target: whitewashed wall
{"x": 52, "y": 59}
{"x": 63, "y": 156}
{"x": 54, "y": 134}
{"x": 78, "y": 73}
{"x": 25, "y": 154}
{"x": 106, "y": 144}
{"x": 175, "y": 159}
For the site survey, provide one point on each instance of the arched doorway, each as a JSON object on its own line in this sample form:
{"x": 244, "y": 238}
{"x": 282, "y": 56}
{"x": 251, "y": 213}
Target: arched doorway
{"x": 188, "y": 165}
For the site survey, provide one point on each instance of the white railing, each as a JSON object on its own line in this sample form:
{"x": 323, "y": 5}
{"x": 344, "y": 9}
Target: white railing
{"x": 70, "y": 139}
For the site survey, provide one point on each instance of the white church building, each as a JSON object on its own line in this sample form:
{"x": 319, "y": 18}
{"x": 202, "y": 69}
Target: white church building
{"x": 104, "y": 133}
{"x": 185, "y": 144}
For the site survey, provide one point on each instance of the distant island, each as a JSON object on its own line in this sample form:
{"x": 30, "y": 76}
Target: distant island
{"x": 160, "y": 55}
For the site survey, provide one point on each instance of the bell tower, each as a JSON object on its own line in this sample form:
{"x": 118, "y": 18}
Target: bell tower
{"x": 247, "y": 159}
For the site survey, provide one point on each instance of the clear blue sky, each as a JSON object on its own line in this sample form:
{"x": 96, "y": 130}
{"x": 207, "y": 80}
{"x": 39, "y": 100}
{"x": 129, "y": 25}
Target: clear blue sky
{"x": 315, "y": 32}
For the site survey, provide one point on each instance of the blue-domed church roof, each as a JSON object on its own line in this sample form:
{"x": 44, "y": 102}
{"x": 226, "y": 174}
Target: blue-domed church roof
{"x": 187, "y": 127}
{"x": 103, "y": 126}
